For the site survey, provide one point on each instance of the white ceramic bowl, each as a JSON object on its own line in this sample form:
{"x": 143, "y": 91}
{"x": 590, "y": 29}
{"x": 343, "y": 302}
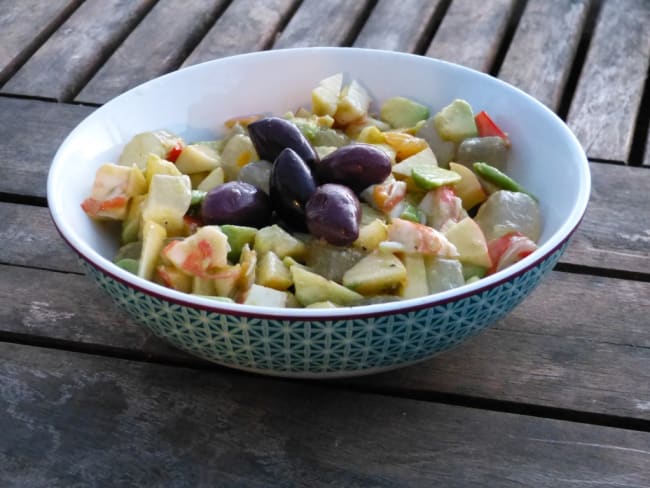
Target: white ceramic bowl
{"x": 194, "y": 102}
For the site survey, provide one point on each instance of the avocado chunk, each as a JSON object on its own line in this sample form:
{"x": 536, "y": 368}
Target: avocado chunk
{"x": 238, "y": 236}
{"x": 403, "y": 112}
{"x": 456, "y": 122}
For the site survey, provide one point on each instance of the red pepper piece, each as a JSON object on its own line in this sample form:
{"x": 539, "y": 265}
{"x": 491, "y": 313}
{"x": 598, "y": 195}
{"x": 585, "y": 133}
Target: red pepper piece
{"x": 486, "y": 127}
{"x": 174, "y": 152}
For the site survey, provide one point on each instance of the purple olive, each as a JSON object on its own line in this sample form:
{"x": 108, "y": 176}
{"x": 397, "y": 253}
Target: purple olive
{"x": 236, "y": 203}
{"x": 271, "y": 135}
{"x": 356, "y": 166}
{"x": 291, "y": 186}
{"x": 333, "y": 213}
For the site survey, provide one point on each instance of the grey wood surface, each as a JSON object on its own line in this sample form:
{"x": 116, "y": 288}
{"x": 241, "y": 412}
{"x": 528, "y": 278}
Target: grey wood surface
{"x": 540, "y": 56}
{"x": 471, "y": 35}
{"x": 159, "y": 43}
{"x": 398, "y": 26}
{"x": 246, "y": 25}
{"x": 318, "y": 23}
{"x": 605, "y": 105}
{"x": 24, "y": 26}
{"x": 543, "y": 350}
{"x": 31, "y": 133}
{"x": 64, "y": 62}
{"x": 74, "y": 419}
{"x": 578, "y": 348}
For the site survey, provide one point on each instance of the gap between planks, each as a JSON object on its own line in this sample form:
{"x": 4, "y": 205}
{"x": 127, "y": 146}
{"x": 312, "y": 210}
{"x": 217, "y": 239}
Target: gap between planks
{"x": 348, "y": 385}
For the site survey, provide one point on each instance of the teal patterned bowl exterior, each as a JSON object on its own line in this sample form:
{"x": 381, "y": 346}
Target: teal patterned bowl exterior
{"x": 323, "y": 348}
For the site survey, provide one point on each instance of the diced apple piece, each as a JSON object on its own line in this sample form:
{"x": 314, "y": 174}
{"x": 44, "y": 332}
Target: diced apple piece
{"x": 238, "y": 152}
{"x": 275, "y": 238}
{"x": 158, "y": 142}
{"x": 325, "y": 97}
{"x": 326, "y": 304}
{"x": 263, "y": 296}
{"x": 272, "y": 272}
{"x": 377, "y": 273}
{"x": 371, "y": 234}
{"x": 203, "y": 286}
{"x": 312, "y": 288}
{"x": 201, "y": 254}
{"x": 212, "y": 180}
{"x": 469, "y": 188}
{"x": 420, "y": 239}
{"x": 404, "y": 169}
{"x": 470, "y": 242}
{"x": 171, "y": 277}
{"x": 153, "y": 238}
{"x": 131, "y": 224}
{"x": 353, "y": 104}
{"x": 196, "y": 158}
{"x": 158, "y": 166}
{"x": 416, "y": 277}
{"x": 443, "y": 274}
{"x": 226, "y": 279}
{"x": 167, "y": 202}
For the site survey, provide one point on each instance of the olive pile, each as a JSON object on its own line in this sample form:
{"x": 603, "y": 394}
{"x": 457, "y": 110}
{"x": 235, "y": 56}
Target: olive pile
{"x": 305, "y": 192}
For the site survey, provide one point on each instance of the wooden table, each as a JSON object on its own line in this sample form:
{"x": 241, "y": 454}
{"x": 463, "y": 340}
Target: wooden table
{"x": 556, "y": 394}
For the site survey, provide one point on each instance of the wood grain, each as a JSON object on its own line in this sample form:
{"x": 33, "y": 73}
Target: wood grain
{"x": 76, "y": 417}
{"x": 245, "y": 26}
{"x": 68, "y": 307}
{"x": 157, "y": 45}
{"x": 24, "y": 26}
{"x": 542, "y": 50}
{"x": 578, "y": 342}
{"x": 29, "y": 239}
{"x": 604, "y": 108}
{"x": 397, "y": 26}
{"x": 615, "y": 232}
{"x": 63, "y": 64}
{"x": 31, "y": 133}
{"x": 318, "y": 23}
{"x": 472, "y": 36}
{"x": 562, "y": 347}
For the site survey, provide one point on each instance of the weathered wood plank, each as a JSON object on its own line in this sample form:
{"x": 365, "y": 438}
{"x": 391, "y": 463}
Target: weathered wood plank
{"x": 69, "y": 307}
{"x": 470, "y": 35}
{"x": 24, "y": 26}
{"x": 604, "y": 107}
{"x": 560, "y": 348}
{"x": 157, "y": 45}
{"x": 76, "y": 417}
{"x": 580, "y": 343}
{"x": 318, "y": 23}
{"x": 615, "y": 232}
{"x": 397, "y": 26}
{"x": 31, "y": 133}
{"x": 245, "y": 26}
{"x": 29, "y": 239}
{"x": 541, "y": 53}
{"x": 63, "y": 64}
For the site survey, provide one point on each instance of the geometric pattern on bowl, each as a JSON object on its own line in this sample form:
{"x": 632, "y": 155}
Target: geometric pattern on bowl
{"x": 323, "y": 348}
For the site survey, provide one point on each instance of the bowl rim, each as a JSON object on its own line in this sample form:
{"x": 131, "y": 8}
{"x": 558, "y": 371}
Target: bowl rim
{"x": 544, "y": 251}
